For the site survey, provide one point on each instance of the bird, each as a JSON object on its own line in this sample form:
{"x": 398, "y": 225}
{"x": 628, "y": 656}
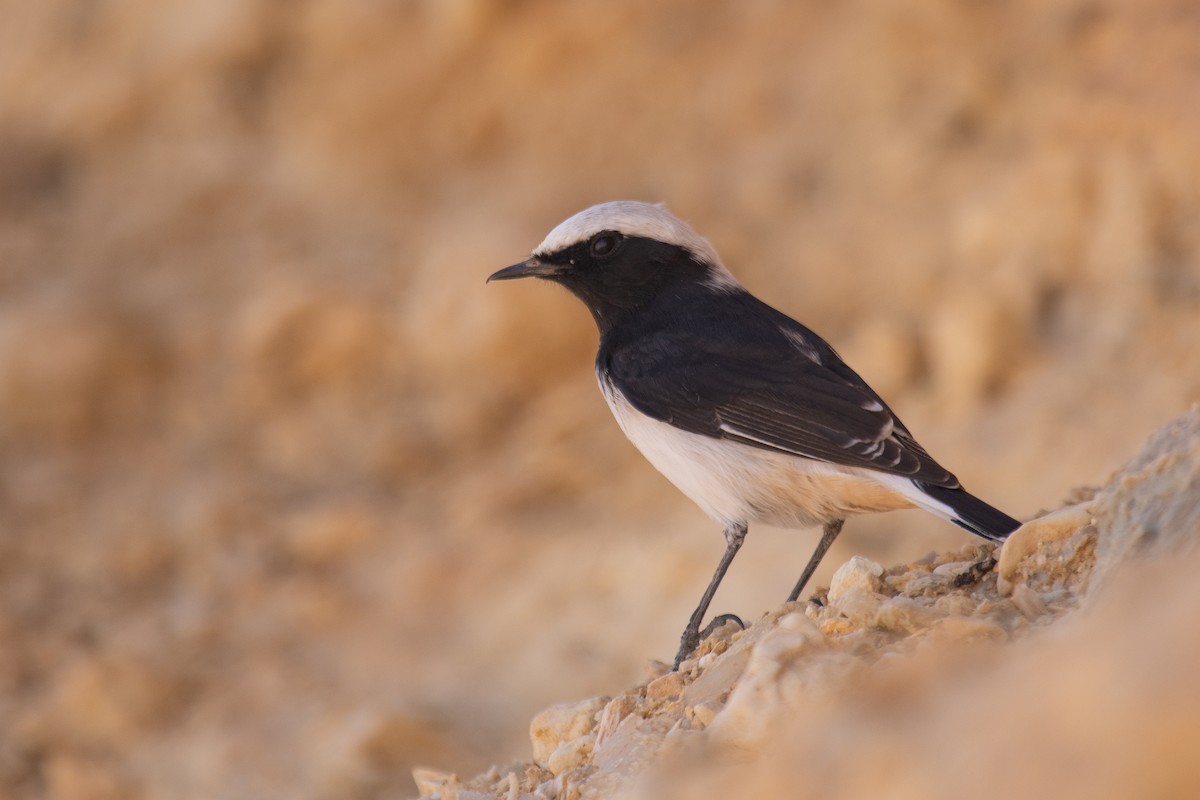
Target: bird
{"x": 749, "y": 413}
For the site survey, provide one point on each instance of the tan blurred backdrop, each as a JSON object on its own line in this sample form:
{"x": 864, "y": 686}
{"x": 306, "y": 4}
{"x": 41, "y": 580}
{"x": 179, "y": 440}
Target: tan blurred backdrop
{"x": 291, "y": 501}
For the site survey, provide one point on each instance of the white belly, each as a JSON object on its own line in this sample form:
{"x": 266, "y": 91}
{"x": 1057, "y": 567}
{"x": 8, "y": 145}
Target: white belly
{"x": 733, "y": 482}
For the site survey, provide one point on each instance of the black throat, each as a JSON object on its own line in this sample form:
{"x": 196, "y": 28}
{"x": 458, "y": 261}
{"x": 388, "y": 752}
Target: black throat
{"x": 642, "y": 274}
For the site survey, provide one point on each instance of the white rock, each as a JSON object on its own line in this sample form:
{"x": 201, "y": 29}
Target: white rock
{"x": 854, "y": 589}
{"x": 561, "y": 723}
{"x": 630, "y": 748}
{"x": 953, "y": 569}
{"x": 569, "y": 755}
{"x": 669, "y": 685}
{"x": 611, "y": 716}
{"x": 700, "y": 716}
{"x": 756, "y": 699}
{"x": 1035, "y": 534}
{"x": 714, "y": 683}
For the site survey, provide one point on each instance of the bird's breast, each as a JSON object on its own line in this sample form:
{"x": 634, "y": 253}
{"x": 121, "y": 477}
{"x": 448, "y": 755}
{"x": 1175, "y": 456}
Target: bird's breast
{"x": 738, "y": 483}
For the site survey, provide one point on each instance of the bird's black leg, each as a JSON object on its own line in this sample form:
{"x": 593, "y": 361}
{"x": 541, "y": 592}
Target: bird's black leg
{"x": 832, "y": 529}
{"x": 735, "y": 534}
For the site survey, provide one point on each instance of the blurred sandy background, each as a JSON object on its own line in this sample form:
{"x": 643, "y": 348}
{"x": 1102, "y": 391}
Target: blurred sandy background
{"x": 290, "y": 501}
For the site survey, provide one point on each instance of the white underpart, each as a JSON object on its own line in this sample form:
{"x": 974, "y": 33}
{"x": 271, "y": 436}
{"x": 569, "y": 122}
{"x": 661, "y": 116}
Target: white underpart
{"x": 911, "y": 492}
{"x": 635, "y": 218}
{"x": 740, "y": 483}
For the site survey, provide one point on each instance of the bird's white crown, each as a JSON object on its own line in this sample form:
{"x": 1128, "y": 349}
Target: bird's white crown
{"x": 634, "y": 218}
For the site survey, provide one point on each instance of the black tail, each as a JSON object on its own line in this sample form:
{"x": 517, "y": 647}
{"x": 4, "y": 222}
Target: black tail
{"x": 972, "y": 514}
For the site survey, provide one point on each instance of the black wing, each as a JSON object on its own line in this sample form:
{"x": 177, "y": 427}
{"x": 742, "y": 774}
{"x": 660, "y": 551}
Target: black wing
{"x": 762, "y": 379}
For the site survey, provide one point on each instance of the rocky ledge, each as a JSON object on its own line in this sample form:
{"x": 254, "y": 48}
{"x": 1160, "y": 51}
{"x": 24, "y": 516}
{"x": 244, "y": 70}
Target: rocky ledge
{"x": 1061, "y": 664}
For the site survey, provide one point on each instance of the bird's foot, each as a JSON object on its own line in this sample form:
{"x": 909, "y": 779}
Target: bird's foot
{"x": 692, "y": 637}
{"x": 687, "y": 644}
{"x": 717, "y": 622}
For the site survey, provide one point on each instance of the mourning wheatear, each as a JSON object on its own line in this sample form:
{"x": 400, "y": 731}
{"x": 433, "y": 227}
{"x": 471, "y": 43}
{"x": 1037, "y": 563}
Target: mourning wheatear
{"x": 749, "y": 413}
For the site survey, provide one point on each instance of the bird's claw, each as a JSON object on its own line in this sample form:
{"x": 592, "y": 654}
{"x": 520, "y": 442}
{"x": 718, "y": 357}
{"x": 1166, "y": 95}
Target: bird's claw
{"x": 692, "y": 638}
{"x": 717, "y": 622}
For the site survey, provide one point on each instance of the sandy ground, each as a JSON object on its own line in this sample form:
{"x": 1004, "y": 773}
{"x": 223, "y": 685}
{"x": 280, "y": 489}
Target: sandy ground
{"x": 291, "y": 502}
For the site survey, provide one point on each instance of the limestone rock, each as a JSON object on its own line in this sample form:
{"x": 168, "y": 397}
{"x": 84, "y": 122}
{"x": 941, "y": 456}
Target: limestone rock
{"x": 570, "y": 754}
{"x": 854, "y": 588}
{"x": 1151, "y": 507}
{"x": 1035, "y": 534}
{"x": 563, "y": 723}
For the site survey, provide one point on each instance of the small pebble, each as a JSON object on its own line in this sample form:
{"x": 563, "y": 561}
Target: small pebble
{"x": 701, "y": 715}
{"x": 952, "y": 569}
{"x": 854, "y": 588}
{"x": 669, "y": 685}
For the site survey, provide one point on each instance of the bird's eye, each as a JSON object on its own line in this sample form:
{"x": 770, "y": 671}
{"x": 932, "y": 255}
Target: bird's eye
{"x": 604, "y": 245}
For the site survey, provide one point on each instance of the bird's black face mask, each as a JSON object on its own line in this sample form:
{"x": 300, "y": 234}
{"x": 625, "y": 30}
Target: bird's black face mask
{"x": 613, "y": 274}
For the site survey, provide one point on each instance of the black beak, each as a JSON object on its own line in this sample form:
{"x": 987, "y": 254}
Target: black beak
{"x": 529, "y": 268}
